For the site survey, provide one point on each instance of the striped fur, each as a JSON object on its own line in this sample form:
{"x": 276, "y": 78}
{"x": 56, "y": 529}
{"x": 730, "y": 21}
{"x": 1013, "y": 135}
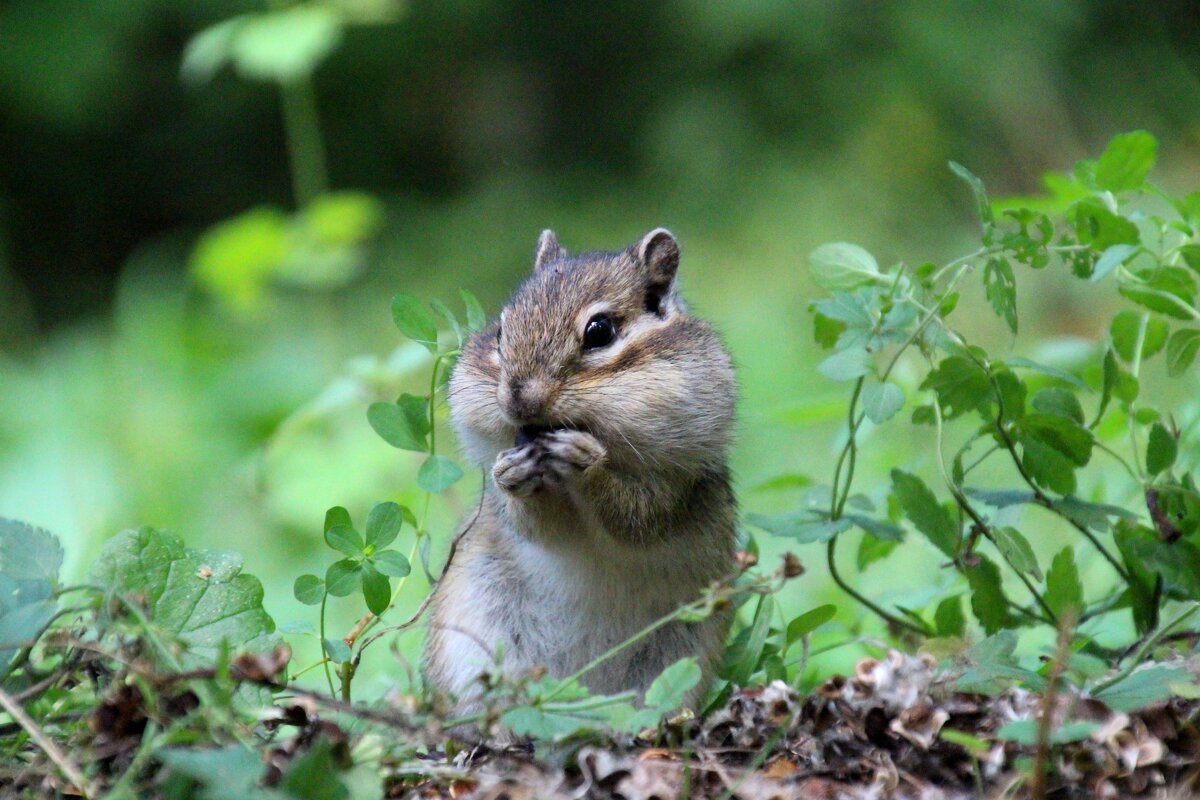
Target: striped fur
{"x": 619, "y": 509}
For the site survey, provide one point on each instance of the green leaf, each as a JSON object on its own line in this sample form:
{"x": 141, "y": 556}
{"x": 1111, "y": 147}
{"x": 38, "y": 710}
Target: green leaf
{"x": 443, "y": 311}
{"x": 666, "y": 693}
{"x": 846, "y": 365}
{"x": 1053, "y": 372}
{"x": 1058, "y": 402}
{"x": 1126, "y": 161}
{"x": 1048, "y": 467}
{"x": 414, "y": 321}
{"x": 200, "y": 596}
{"x": 878, "y": 528}
{"x": 286, "y": 45}
{"x": 988, "y": 602}
{"x": 1178, "y": 562}
{"x": 563, "y": 720}
{"x": 871, "y": 550}
{"x": 1016, "y": 551}
{"x": 826, "y": 331}
{"x": 1167, "y": 290}
{"x": 1143, "y": 687}
{"x": 337, "y": 516}
{"x": 476, "y": 318}
{"x": 841, "y": 266}
{"x": 1000, "y": 286}
{"x": 748, "y": 658}
{"x": 235, "y": 259}
{"x": 343, "y": 219}
{"x": 982, "y": 207}
{"x": 949, "y": 619}
{"x": 383, "y": 524}
{"x": 1110, "y": 259}
{"x": 313, "y": 775}
{"x": 1161, "y": 449}
{"x": 343, "y": 577}
{"x": 1099, "y": 227}
{"x": 992, "y": 664}
{"x": 856, "y": 309}
{"x": 1064, "y": 435}
{"x": 403, "y": 424}
{"x": 960, "y": 384}
{"x": 345, "y": 540}
{"x": 1111, "y": 374}
{"x": 809, "y": 621}
{"x": 1025, "y": 732}
{"x": 391, "y": 563}
{"x": 29, "y": 554}
{"x": 438, "y": 473}
{"x": 1124, "y": 332}
{"x": 881, "y": 401}
{"x": 1181, "y": 351}
{"x": 923, "y": 509}
{"x": 972, "y": 744}
{"x": 801, "y": 526}
{"x": 309, "y": 590}
{"x": 786, "y": 481}
{"x": 210, "y": 50}
{"x": 377, "y": 590}
{"x": 227, "y": 773}
{"x": 1063, "y": 589}
{"x": 337, "y": 650}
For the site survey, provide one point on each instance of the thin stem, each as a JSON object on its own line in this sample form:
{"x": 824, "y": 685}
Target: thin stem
{"x": 849, "y": 450}
{"x": 325, "y": 661}
{"x": 302, "y": 129}
{"x": 892, "y": 619}
{"x": 1130, "y": 417}
{"x": 982, "y": 524}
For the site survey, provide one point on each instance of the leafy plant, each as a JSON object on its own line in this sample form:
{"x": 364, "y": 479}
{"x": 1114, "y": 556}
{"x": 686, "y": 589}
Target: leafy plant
{"x": 1044, "y": 425}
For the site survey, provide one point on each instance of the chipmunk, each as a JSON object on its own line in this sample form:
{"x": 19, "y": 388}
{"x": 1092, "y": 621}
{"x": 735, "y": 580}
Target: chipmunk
{"x": 601, "y": 414}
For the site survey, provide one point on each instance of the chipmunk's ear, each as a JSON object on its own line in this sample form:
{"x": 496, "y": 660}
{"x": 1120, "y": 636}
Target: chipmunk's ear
{"x": 658, "y": 254}
{"x": 548, "y": 250}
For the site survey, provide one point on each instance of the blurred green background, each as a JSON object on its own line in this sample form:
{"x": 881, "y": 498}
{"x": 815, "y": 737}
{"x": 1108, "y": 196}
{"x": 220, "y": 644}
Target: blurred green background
{"x": 180, "y": 346}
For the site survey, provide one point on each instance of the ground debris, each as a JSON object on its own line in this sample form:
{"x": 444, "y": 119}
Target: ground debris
{"x": 875, "y": 735}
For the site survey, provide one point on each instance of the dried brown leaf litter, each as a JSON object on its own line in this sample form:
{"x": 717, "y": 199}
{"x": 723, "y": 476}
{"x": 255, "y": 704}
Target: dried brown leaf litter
{"x": 895, "y": 729}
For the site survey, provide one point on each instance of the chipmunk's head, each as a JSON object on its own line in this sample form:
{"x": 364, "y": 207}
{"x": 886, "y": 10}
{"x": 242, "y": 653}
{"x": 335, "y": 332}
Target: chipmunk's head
{"x": 599, "y": 342}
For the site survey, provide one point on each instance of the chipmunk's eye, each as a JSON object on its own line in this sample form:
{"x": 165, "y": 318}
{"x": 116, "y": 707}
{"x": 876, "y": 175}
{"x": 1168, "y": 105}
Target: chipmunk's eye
{"x": 600, "y": 332}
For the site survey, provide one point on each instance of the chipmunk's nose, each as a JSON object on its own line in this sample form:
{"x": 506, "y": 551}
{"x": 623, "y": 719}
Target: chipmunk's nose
{"x": 524, "y": 399}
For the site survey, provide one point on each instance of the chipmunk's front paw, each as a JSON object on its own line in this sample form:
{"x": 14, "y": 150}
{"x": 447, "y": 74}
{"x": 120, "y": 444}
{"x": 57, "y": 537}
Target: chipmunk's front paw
{"x": 519, "y": 470}
{"x": 570, "y": 453}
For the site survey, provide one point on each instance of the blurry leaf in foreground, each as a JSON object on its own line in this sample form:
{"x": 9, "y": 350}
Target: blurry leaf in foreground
{"x": 30, "y": 560}
{"x": 285, "y": 45}
{"x": 201, "y": 596}
{"x": 343, "y": 218}
{"x": 234, "y": 259}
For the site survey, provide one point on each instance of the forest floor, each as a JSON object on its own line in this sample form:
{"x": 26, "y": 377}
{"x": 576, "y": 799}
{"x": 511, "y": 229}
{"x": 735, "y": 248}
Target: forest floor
{"x": 895, "y": 729}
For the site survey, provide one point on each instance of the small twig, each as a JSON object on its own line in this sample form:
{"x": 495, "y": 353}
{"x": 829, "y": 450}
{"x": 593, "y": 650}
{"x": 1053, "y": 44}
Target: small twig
{"x": 69, "y": 769}
{"x": 1041, "y": 757}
